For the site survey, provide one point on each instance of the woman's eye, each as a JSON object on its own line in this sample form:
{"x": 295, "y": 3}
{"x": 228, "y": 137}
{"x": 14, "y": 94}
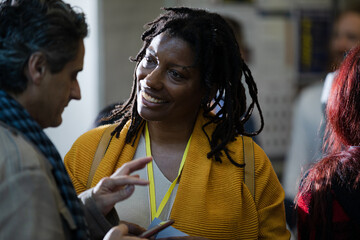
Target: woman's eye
{"x": 175, "y": 74}
{"x": 148, "y": 62}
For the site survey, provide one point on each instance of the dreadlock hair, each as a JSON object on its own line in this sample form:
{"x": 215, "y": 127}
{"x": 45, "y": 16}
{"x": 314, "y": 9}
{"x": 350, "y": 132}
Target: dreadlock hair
{"x": 217, "y": 55}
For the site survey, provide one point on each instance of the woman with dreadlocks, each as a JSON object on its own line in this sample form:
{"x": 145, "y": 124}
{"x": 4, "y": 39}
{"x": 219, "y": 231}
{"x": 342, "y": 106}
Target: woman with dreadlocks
{"x": 197, "y": 173}
{"x": 329, "y": 196}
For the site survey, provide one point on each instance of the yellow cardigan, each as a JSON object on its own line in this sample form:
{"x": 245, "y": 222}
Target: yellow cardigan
{"x": 212, "y": 200}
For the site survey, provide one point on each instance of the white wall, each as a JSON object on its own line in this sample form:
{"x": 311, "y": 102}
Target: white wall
{"x": 79, "y": 115}
{"x": 122, "y": 25}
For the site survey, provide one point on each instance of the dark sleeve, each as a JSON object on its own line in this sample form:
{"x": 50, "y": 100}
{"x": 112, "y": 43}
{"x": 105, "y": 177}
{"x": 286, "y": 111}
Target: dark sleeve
{"x": 349, "y": 200}
{"x": 98, "y": 224}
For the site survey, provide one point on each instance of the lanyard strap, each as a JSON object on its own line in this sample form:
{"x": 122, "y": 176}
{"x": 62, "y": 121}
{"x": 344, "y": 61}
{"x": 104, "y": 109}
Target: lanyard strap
{"x": 156, "y": 213}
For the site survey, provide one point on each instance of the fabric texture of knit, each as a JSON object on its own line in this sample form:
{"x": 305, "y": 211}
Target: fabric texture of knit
{"x": 212, "y": 200}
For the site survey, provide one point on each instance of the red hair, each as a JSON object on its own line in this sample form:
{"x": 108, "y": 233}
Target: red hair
{"x": 341, "y": 163}
{"x": 343, "y": 107}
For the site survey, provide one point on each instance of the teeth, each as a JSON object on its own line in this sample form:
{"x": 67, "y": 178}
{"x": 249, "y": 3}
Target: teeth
{"x": 151, "y": 99}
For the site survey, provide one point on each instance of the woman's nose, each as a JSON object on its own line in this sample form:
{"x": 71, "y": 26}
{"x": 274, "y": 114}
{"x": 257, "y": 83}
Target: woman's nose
{"x": 154, "y": 79}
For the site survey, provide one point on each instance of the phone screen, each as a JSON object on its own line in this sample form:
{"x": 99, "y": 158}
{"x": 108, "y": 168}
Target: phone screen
{"x": 154, "y": 230}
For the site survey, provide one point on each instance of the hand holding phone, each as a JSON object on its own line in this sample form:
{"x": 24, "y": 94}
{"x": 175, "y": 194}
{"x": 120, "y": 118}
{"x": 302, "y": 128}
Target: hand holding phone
{"x": 154, "y": 230}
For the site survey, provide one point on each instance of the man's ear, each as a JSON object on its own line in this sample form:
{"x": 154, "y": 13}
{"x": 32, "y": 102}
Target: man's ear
{"x": 36, "y": 67}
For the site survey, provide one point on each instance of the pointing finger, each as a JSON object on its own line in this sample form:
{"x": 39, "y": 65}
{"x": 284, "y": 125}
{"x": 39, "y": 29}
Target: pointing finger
{"x": 120, "y": 182}
{"x": 132, "y": 166}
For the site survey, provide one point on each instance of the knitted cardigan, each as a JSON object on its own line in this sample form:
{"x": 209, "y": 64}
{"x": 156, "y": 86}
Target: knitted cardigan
{"x": 212, "y": 200}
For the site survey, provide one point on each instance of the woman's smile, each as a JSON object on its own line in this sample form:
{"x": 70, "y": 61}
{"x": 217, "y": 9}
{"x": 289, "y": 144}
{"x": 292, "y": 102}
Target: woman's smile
{"x": 151, "y": 99}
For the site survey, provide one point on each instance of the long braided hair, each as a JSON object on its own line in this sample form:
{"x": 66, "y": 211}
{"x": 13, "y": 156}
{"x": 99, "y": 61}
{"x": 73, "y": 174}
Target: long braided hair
{"x": 222, "y": 69}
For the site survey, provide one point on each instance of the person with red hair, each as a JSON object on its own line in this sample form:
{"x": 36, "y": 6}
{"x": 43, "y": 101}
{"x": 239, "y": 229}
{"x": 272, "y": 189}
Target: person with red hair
{"x": 329, "y": 194}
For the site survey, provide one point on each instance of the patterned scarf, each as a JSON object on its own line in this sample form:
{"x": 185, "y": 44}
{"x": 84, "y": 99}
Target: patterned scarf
{"x": 14, "y": 115}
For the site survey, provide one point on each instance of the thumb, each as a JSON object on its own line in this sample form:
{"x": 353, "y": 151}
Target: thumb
{"x": 116, "y": 232}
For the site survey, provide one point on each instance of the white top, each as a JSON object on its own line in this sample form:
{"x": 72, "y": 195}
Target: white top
{"x": 307, "y": 133}
{"x": 305, "y": 141}
{"x": 327, "y": 86}
{"x": 136, "y": 209}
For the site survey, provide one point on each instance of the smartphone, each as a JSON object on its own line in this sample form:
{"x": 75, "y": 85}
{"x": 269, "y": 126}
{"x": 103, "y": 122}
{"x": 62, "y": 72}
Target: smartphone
{"x": 154, "y": 230}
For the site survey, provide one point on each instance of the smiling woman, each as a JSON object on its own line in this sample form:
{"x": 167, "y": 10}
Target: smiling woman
{"x": 168, "y": 91}
{"x": 197, "y": 173}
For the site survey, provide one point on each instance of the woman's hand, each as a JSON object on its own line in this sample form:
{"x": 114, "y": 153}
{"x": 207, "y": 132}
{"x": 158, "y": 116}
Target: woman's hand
{"x": 119, "y": 186}
{"x": 118, "y": 233}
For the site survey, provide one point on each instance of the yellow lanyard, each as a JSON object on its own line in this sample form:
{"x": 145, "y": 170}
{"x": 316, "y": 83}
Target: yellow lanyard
{"x": 154, "y": 213}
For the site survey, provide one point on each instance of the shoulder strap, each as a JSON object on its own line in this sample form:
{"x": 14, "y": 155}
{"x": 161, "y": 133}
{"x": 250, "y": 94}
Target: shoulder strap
{"x": 249, "y": 161}
{"x": 100, "y": 152}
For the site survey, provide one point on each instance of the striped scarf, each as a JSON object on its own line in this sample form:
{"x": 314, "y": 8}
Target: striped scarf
{"x": 14, "y": 115}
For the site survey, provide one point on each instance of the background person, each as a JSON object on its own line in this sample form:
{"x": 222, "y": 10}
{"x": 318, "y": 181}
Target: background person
{"x": 346, "y": 34}
{"x": 188, "y": 56}
{"x": 41, "y": 53}
{"x": 308, "y": 122}
{"x": 329, "y": 194}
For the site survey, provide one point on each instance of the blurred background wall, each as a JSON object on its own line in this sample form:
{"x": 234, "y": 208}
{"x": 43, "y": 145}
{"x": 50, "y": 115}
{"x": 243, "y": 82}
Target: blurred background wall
{"x": 78, "y": 116}
{"x": 287, "y": 43}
